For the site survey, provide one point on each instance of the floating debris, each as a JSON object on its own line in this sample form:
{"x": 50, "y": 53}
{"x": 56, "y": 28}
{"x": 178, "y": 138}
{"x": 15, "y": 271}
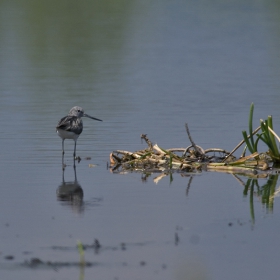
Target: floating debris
{"x": 193, "y": 159}
{"x": 36, "y": 262}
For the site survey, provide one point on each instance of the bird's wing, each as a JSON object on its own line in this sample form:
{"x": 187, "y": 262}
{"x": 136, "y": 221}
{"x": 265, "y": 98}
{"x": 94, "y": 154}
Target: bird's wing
{"x": 66, "y": 123}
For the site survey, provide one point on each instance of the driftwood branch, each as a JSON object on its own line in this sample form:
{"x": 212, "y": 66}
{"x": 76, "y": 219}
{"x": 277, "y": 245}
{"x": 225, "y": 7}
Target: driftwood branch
{"x": 199, "y": 151}
{"x": 192, "y": 159}
{"x": 241, "y": 143}
{"x": 150, "y": 144}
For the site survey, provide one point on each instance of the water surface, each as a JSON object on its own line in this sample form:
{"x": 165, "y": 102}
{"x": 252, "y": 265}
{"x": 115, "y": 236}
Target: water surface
{"x": 141, "y": 67}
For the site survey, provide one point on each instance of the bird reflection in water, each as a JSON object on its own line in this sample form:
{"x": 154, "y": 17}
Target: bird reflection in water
{"x": 71, "y": 193}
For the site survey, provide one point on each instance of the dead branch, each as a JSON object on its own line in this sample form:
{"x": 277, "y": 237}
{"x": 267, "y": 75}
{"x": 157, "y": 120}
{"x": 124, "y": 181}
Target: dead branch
{"x": 196, "y": 148}
{"x": 150, "y": 144}
{"x": 240, "y": 144}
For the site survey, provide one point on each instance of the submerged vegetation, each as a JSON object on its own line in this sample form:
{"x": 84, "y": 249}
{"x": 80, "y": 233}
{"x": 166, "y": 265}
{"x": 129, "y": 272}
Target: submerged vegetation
{"x": 195, "y": 159}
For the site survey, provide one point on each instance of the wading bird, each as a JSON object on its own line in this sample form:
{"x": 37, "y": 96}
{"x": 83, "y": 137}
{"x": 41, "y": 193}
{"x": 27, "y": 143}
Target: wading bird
{"x": 71, "y": 126}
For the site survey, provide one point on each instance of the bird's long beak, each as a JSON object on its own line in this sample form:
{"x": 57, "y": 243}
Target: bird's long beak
{"x": 85, "y": 115}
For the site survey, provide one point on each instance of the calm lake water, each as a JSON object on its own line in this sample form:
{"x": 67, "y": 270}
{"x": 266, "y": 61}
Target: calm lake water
{"x": 142, "y": 67}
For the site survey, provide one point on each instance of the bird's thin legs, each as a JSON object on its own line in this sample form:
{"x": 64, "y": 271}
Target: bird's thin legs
{"x": 63, "y": 166}
{"x": 74, "y": 158}
{"x": 74, "y": 166}
{"x": 63, "y": 169}
{"x": 74, "y": 155}
{"x": 63, "y": 147}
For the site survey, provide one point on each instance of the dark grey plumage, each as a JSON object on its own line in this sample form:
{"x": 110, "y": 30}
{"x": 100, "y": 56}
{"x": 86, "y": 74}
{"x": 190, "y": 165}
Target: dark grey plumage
{"x": 71, "y": 123}
{"x": 71, "y": 126}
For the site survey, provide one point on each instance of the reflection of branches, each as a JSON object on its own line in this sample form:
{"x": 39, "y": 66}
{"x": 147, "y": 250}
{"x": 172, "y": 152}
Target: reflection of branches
{"x": 145, "y": 176}
{"x": 162, "y": 175}
{"x": 156, "y": 180}
{"x": 159, "y": 177}
{"x": 189, "y": 185}
{"x": 266, "y": 192}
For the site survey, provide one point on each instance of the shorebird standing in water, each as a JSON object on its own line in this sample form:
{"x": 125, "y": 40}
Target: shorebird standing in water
{"x": 71, "y": 126}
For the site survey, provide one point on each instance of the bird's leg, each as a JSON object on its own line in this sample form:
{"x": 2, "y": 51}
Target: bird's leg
{"x": 63, "y": 147}
{"x": 74, "y": 155}
{"x": 63, "y": 169}
{"x": 63, "y": 166}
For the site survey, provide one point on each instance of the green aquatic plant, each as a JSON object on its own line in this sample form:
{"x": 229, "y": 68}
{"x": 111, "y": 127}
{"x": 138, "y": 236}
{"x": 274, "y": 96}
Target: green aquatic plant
{"x": 81, "y": 252}
{"x": 251, "y": 144}
{"x": 268, "y": 136}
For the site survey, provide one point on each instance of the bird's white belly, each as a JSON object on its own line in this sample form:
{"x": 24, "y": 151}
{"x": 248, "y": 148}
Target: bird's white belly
{"x": 67, "y": 134}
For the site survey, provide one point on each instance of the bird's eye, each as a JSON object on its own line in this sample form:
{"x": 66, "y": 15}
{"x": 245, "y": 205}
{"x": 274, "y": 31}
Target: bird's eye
{"x": 79, "y": 111}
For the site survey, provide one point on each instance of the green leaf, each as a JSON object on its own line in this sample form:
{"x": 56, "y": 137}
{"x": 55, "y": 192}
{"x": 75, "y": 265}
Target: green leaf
{"x": 251, "y": 124}
{"x": 245, "y": 137}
